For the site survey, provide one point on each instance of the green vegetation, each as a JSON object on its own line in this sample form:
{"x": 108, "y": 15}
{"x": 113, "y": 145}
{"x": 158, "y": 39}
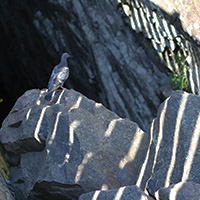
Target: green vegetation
{"x": 1, "y": 100}
{"x": 179, "y": 78}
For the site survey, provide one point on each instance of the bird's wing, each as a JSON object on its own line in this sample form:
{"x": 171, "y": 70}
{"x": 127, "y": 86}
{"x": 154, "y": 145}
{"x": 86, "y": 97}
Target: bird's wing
{"x": 52, "y": 79}
{"x": 63, "y": 74}
{"x": 58, "y": 77}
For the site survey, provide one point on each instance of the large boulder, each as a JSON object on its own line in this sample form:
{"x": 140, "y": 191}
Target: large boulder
{"x": 176, "y": 144}
{"x": 71, "y": 146}
{"x": 131, "y": 192}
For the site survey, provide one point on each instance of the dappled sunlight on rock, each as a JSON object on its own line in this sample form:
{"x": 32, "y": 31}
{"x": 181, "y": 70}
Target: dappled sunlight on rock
{"x": 176, "y": 156}
{"x": 77, "y": 104}
{"x": 164, "y": 34}
{"x": 82, "y": 165}
{"x": 160, "y": 131}
{"x": 85, "y": 147}
{"x": 59, "y": 97}
{"x": 38, "y": 101}
{"x": 181, "y": 190}
{"x": 119, "y": 193}
{"x": 78, "y": 146}
{"x": 37, "y": 128}
{"x": 110, "y": 128}
{"x": 194, "y": 143}
{"x": 148, "y": 162}
{"x": 135, "y": 144}
{"x": 176, "y": 138}
{"x": 96, "y": 194}
{"x": 130, "y": 192}
{"x": 52, "y": 137}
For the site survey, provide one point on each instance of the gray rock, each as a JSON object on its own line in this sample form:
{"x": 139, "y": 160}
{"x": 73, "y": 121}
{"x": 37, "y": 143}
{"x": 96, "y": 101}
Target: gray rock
{"x": 4, "y": 191}
{"x": 85, "y": 147}
{"x": 176, "y": 142}
{"x": 123, "y": 193}
{"x": 179, "y": 191}
{"x": 111, "y": 66}
{"x": 16, "y": 123}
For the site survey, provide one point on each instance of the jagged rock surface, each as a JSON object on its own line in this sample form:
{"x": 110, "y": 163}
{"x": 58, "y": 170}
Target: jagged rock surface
{"x": 164, "y": 33}
{"x": 123, "y": 193}
{"x": 108, "y": 65}
{"x": 175, "y": 145}
{"x": 179, "y": 191}
{"x": 74, "y": 145}
{"x": 71, "y": 146}
{"x": 4, "y": 191}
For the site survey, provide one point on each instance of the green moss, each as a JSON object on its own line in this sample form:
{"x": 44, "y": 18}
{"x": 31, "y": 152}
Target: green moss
{"x": 179, "y": 79}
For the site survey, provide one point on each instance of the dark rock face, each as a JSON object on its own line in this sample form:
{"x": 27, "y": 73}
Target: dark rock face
{"x": 123, "y": 193}
{"x": 108, "y": 64}
{"x": 71, "y": 147}
{"x": 176, "y": 142}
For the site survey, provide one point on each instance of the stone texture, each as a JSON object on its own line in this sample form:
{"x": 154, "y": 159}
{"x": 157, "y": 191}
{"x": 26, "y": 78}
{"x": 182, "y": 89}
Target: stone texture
{"x": 122, "y": 193}
{"x": 4, "y": 191}
{"x": 108, "y": 64}
{"x": 82, "y": 147}
{"x": 164, "y": 33}
{"x": 175, "y": 143}
{"x": 179, "y": 191}
{"x": 187, "y": 11}
{"x": 13, "y": 140}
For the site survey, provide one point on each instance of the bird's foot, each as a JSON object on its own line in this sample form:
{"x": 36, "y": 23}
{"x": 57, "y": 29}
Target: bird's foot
{"x": 60, "y": 88}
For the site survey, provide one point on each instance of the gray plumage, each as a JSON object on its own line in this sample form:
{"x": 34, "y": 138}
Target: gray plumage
{"x": 59, "y": 75}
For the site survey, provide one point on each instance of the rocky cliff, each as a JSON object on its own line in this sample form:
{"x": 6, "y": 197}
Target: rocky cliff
{"x": 75, "y": 148}
{"x": 120, "y": 52}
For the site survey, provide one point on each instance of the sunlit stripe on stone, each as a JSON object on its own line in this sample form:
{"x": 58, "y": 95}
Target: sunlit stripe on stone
{"x": 72, "y": 128}
{"x": 82, "y": 165}
{"x": 77, "y": 104}
{"x": 142, "y": 171}
{"x": 137, "y": 20}
{"x": 160, "y": 133}
{"x": 130, "y": 156}
{"x": 55, "y": 128}
{"x": 28, "y": 113}
{"x": 126, "y": 9}
{"x": 146, "y": 29}
{"x": 174, "y": 191}
{"x": 60, "y": 96}
{"x": 96, "y": 194}
{"x": 37, "y": 129}
{"x": 165, "y": 26}
{"x": 197, "y": 75}
{"x": 111, "y": 127}
{"x": 119, "y": 193}
{"x": 38, "y": 101}
{"x": 192, "y": 150}
{"x": 176, "y": 138}
{"x": 191, "y": 81}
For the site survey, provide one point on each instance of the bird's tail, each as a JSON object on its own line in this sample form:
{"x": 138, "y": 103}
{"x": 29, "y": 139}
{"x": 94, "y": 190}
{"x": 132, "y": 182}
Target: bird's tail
{"x": 49, "y": 96}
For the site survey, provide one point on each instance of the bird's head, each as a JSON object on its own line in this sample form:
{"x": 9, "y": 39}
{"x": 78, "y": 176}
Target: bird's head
{"x": 65, "y": 56}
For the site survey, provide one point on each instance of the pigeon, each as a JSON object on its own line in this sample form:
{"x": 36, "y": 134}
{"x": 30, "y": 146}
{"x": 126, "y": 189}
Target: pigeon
{"x": 59, "y": 75}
